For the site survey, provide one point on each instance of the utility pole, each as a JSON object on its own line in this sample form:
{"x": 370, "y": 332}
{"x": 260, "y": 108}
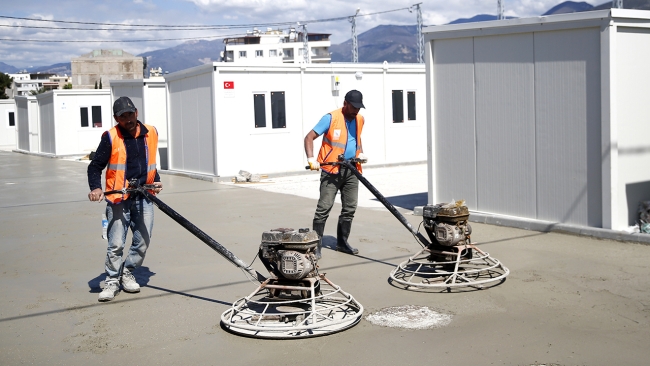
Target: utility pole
{"x": 617, "y": 4}
{"x": 420, "y": 36}
{"x": 355, "y": 45}
{"x": 305, "y": 45}
{"x": 501, "y": 6}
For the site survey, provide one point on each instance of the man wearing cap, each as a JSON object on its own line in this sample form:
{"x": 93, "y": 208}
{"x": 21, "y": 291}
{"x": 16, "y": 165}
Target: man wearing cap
{"x": 128, "y": 152}
{"x": 341, "y": 130}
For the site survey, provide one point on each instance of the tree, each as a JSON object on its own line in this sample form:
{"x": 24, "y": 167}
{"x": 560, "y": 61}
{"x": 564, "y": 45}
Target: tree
{"x": 100, "y": 83}
{"x": 67, "y": 86}
{"x": 5, "y": 83}
{"x": 40, "y": 90}
{"x": 95, "y": 84}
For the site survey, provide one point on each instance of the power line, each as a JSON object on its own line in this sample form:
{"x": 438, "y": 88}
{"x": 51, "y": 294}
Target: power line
{"x": 143, "y": 27}
{"x": 188, "y": 27}
{"x": 125, "y": 40}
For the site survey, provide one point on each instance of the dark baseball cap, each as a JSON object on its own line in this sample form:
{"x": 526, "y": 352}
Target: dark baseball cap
{"x": 355, "y": 98}
{"x": 123, "y": 105}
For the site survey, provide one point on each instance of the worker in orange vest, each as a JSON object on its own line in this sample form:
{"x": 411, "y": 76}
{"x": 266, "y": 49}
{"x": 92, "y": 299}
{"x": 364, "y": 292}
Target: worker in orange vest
{"x": 128, "y": 152}
{"x": 341, "y": 131}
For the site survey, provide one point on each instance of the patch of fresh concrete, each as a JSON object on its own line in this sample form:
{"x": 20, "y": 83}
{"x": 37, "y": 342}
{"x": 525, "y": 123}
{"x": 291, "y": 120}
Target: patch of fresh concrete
{"x": 409, "y": 317}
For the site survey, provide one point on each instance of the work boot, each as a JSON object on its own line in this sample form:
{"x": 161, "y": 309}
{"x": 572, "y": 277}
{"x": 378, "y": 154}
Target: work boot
{"x": 342, "y": 233}
{"x": 128, "y": 282}
{"x": 111, "y": 289}
{"x": 319, "y": 228}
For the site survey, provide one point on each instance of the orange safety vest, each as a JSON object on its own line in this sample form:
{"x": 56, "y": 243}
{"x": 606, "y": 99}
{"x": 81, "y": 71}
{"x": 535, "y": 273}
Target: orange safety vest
{"x": 116, "y": 170}
{"x": 335, "y": 140}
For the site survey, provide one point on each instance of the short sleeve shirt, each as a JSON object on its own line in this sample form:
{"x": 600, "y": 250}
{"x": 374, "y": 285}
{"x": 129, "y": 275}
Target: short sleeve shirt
{"x": 351, "y": 146}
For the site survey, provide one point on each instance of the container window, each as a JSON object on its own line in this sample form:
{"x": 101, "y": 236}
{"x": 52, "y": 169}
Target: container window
{"x": 12, "y": 119}
{"x": 410, "y": 105}
{"x": 84, "y": 116}
{"x": 97, "y": 116}
{"x": 398, "y": 106}
{"x": 260, "y": 110}
{"x": 278, "y": 115}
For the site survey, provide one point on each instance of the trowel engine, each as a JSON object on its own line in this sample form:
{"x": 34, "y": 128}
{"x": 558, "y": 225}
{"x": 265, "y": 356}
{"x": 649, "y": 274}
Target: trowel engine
{"x": 289, "y": 254}
{"x": 447, "y": 225}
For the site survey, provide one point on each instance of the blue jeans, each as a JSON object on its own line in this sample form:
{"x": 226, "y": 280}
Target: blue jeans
{"x": 136, "y": 213}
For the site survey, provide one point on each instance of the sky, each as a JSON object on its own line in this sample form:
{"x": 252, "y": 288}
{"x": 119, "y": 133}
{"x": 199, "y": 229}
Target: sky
{"x": 19, "y": 44}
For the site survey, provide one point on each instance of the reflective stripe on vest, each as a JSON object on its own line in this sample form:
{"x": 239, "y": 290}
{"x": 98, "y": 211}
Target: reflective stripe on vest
{"x": 334, "y": 143}
{"x": 116, "y": 169}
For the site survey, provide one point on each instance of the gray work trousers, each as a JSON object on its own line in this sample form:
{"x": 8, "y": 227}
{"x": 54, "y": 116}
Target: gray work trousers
{"x": 348, "y": 184}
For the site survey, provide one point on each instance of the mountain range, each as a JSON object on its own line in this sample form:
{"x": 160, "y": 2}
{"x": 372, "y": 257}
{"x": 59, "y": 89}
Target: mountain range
{"x": 392, "y": 43}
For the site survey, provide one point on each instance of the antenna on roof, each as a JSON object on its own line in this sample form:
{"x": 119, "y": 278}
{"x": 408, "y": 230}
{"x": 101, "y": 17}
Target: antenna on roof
{"x": 355, "y": 45}
{"x": 501, "y": 8}
{"x": 305, "y": 43}
{"x": 420, "y": 37}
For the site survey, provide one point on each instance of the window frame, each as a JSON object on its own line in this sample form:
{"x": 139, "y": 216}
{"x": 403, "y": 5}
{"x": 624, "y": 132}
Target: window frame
{"x": 82, "y": 115}
{"x": 11, "y": 115}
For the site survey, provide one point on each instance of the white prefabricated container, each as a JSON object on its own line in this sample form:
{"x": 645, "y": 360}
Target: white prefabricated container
{"x": 150, "y": 98}
{"x": 225, "y": 117}
{"x": 8, "y": 121}
{"x": 72, "y": 121}
{"x": 542, "y": 118}
{"x": 27, "y": 123}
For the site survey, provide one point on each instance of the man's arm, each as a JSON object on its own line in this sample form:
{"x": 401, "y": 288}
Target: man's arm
{"x": 309, "y": 143}
{"x": 96, "y": 166}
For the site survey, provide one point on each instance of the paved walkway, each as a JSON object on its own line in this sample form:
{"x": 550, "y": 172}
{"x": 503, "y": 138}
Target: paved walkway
{"x": 569, "y": 300}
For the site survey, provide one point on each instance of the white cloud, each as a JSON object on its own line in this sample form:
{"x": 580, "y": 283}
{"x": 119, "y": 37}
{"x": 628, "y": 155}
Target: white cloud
{"x": 226, "y": 12}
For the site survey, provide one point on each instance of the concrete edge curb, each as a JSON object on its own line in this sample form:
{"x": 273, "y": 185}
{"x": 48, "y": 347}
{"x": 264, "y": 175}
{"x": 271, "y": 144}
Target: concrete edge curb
{"x": 546, "y": 226}
{"x": 51, "y": 156}
{"x": 225, "y": 179}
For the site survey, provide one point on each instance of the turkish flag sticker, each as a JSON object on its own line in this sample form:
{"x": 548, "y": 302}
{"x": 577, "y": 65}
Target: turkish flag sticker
{"x": 229, "y": 85}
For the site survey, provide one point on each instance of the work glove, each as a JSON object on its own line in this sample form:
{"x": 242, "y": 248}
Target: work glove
{"x": 313, "y": 164}
{"x": 363, "y": 158}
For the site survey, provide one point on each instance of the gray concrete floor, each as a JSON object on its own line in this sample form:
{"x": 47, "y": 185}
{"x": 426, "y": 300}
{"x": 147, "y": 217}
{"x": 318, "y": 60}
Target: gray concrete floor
{"x": 569, "y": 300}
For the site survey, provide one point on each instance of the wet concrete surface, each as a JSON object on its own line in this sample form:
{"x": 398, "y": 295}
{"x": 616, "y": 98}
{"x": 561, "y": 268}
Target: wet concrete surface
{"x": 569, "y": 300}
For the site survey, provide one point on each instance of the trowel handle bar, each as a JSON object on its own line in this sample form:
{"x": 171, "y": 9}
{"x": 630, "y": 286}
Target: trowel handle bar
{"x": 385, "y": 202}
{"x": 340, "y": 162}
{"x": 190, "y": 227}
{"x": 202, "y": 235}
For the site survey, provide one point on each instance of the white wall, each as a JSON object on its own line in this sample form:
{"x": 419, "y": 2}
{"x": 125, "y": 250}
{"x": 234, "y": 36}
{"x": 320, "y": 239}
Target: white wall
{"x": 47, "y": 123}
{"x": 22, "y": 123}
{"x": 61, "y": 132}
{"x": 551, "y": 115}
{"x": 155, "y": 105}
{"x": 309, "y": 96}
{"x": 7, "y": 132}
{"x": 633, "y": 122}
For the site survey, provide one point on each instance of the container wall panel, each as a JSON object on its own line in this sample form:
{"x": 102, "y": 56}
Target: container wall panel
{"x": 22, "y": 124}
{"x": 454, "y": 112}
{"x": 505, "y": 124}
{"x": 191, "y": 124}
{"x": 568, "y": 139}
{"x": 175, "y": 141}
{"x": 7, "y": 131}
{"x": 205, "y": 118}
{"x": 633, "y": 123}
{"x": 47, "y": 135}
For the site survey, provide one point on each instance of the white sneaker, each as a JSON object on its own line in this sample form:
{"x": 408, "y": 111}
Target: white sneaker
{"x": 111, "y": 289}
{"x": 128, "y": 282}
